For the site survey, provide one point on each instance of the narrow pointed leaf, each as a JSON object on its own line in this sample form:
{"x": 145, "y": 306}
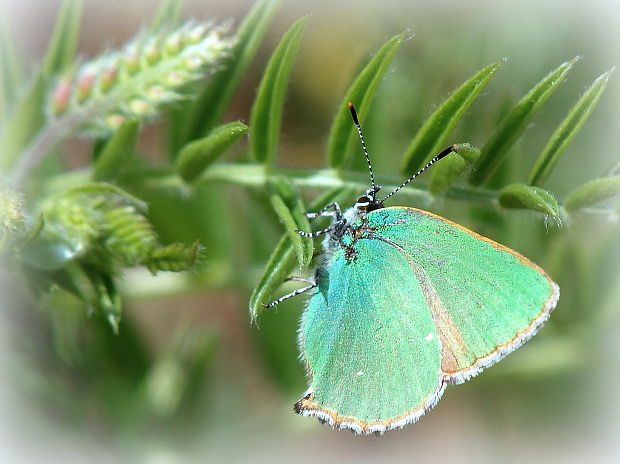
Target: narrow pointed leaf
{"x": 432, "y": 135}
{"x": 593, "y": 192}
{"x": 567, "y": 130}
{"x": 266, "y": 117}
{"x": 116, "y": 153}
{"x": 61, "y": 50}
{"x": 106, "y": 298}
{"x": 23, "y": 124}
{"x": 283, "y": 260}
{"x": 343, "y": 135}
{"x": 175, "y": 257}
{"x": 449, "y": 169}
{"x": 521, "y": 196}
{"x": 28, "y": 117}
{"x": 195, "y": 157}
{"x": 291, "y": 211}
{"x": 10, "y": 68}
{"x": 102, "y": 188}
{"x": 168, "y": 15}
{"x": 510, "y": 129}
{"x": 215, "y": 98}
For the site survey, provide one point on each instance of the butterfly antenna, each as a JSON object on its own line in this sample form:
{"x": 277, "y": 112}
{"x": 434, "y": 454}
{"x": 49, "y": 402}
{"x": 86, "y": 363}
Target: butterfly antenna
{"x": 361, "y": 135}
{"x": 444, "y": 153}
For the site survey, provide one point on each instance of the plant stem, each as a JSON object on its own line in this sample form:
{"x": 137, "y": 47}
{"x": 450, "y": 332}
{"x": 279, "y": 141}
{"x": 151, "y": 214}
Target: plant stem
{"x": 255, "y": 175}
{"x": 44, "y": 143}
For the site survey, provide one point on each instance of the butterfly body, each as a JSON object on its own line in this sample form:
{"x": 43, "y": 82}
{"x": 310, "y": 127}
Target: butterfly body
{"x": 406, "y": 303}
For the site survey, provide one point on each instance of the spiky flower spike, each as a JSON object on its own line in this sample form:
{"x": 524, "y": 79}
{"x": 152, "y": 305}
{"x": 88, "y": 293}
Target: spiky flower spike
{"x": 135, "y": 81}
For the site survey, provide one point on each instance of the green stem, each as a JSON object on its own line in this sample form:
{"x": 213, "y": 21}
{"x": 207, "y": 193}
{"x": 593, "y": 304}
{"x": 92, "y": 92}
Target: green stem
{"x": 44, "y": 143}
{"x": 255, "y": 175}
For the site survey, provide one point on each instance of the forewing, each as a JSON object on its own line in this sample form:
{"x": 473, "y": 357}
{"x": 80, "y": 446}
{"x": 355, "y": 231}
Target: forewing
{"x": 369, "y": 341}
{"x": 486, "y": 299}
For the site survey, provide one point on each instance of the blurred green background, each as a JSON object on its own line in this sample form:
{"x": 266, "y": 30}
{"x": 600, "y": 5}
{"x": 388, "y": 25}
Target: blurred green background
{"x": 189, "y": 379}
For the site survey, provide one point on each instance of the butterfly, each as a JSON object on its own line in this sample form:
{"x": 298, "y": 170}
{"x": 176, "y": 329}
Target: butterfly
{"x": 405, "y": 303}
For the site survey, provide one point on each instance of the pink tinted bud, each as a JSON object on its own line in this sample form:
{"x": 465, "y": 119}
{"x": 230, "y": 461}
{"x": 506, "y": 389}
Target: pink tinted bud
{"x": 108, "y": 78}
{"x": 85, "y": 85}
{"x": 157, "y": 92}
{"x": 115, "y": 120}
{"x": 132, "y": 62}
{"x": 140, "y": 107}
{"x": 196, "y": 34}
{"x": 176, "y": 78}
{"x": 61, "y": 97}
{"x": 173, "y": 44}
{"x": 151, "y": 52}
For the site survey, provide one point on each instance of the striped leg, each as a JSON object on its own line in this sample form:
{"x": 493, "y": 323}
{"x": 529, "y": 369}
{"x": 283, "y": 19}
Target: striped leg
{"x": 299, "y": 291}
{"x": 334, "y": 226}
{"x": 337, "y": 213}
{"x": 337, "y": 223}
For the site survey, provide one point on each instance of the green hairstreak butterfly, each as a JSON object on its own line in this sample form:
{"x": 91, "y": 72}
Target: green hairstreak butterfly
{"x": 405, "y": 303}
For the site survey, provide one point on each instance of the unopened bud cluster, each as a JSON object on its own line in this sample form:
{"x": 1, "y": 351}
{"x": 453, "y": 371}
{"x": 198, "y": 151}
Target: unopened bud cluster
{"x": 148, "y": 72}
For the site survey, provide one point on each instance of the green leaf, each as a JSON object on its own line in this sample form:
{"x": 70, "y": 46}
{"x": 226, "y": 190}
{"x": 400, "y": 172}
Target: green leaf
{"x": 567, "y": 130}
{"x": 449, "y": 169}
{"x": 23, "y": 124}
{"x": 433, "y": 133}
{"x": 282, "y": 260}
{"x": 342, "y": 134}
{"x": 117, "y": 152}
{"x": 593, "y": 192}
{"x": 266, "y": 117}
{"x": 102, "y": 188}
{"x": 197, "y": 156}
{"x": 510, "y": 129}
{"x": 28, "y": 116}
{"x": 175, "y": 257}
{"x": 167, "y": 16}
{"x": 290, "y": 209}
{"x": 126, "y": 235}
{"x": 215, "y": 98}
{"x": 521, "y": 196}
{"x": 106, "y": 298}
{"x": 62, "y": 46}
{"x": 11, "y": 71}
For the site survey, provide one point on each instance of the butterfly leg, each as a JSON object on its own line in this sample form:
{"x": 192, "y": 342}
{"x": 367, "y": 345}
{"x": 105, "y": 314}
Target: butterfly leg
{"x": 299, "y": 279}
{"x": 334, "y": 226}
{"x": 338, "y": 221}
{"x": 336, "y": 214}
{"x": 299, "y": 291}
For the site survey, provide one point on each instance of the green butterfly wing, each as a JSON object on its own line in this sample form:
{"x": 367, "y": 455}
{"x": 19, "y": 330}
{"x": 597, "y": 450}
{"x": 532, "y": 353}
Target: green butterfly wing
{"x": 414, "y": 303}
{"x": 486, "y": 299}
{"x": 370, "y": 343}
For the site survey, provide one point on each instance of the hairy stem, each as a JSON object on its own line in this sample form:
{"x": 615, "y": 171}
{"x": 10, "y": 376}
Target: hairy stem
{"x": 255, "y": 175}
{"x": 45, "y": 142}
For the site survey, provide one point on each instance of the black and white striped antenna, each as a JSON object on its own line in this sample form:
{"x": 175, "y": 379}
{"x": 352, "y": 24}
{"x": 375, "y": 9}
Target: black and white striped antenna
{"x": 361, "y": 135}
{"x": 444, "y": 153}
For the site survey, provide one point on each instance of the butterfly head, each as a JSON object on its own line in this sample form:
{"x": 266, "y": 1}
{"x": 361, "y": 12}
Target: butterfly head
{"x": 369, "y": 201}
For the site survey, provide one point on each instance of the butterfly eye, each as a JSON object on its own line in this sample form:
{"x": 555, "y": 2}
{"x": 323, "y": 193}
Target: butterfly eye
{"x": 363, "y": 201}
